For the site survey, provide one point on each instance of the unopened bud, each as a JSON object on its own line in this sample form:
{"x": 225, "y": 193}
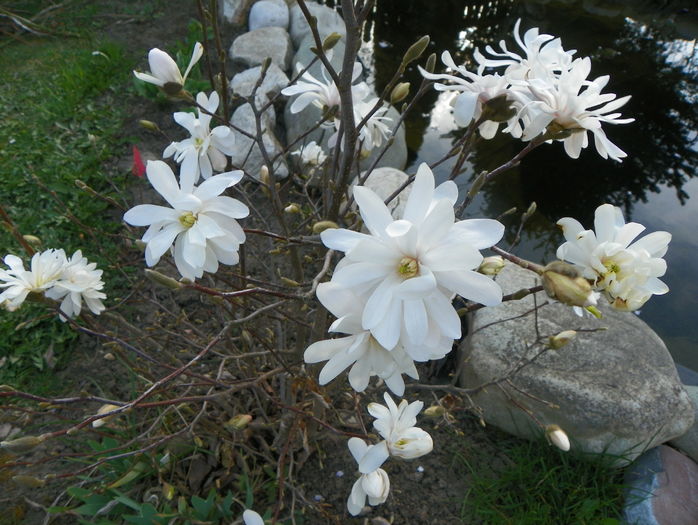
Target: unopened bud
{"x": 558, "y": 341}
{"x": 563, "y": 282}
{"x": 149, "y": 125}
{"x": 23, "y": 444}
{"x": 32, "y": 240}
{"x": 28, "y": 482}
{"x": 109, "y": 356}
{"x": 556, "y": 436}
{"x": 238, "y": 422}
{"x": 103, "y": 410}
{"x": 289, "y": 282}
{"x": 265, "y": 179}
{"x": 434, "y": 411}
{"x": 491, "y": 265}
{"x": 431, "y": 63}
{"x": 163, "y": 279}
{"x": 292, "y": 208}
{"x": 415, "y": 50}
{"x": 331, "y": 41}
{"x": 477, "y": 184}
{"x": 400, "y": 92}
{"x": 530, "y": 211}
{"x": 321, "y": 226}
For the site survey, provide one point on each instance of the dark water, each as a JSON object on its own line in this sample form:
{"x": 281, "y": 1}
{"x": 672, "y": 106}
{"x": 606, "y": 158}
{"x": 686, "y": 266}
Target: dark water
{"x": 649, "y": 49}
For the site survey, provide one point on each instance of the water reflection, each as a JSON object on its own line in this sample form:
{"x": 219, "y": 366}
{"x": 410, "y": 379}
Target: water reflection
{"x": 649, "y": 50}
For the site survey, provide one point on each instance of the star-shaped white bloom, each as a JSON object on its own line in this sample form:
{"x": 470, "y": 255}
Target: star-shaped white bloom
{"x": 79, "y": 280}
{"x": 311, "y": 154}
{"x": 409, "y": 269}
{"x": 626, "y": 272}
{"x": 360, "y": 349}
{"x": 374, "y": 484}
{"x": 204, "y": 152}
{"x": 201, "y": 223}
{"x": 46, "y": 268}
{"x": 164, "y": 71}
{"x": 402, "y": 439}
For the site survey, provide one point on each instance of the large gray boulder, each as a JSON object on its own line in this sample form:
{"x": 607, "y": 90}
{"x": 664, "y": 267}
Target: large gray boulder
{"x": 234, "y": 11}
{"x": 615, "y": 391}
{"x": 269, "y": 13}
{"x": 247, "y": 154}
{"x": 688, "y": 442}
{"x": 328, "y": 22}
{"x": 274, "y": 81}
{"x": 254, "y": 47}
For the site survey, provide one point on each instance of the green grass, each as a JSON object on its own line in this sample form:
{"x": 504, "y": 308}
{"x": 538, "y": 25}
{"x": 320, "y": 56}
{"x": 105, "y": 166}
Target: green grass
{"x": 61, "y": 121}
{"x": 538, "y": 484}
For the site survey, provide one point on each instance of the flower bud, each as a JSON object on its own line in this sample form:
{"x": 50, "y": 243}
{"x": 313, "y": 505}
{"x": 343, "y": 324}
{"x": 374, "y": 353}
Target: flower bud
{"x": 149, "y": 125}
{"x": 530, "y": 211}
{"x": 292, "y": 208}
{"x": 400, "y": 92}
{"x": 563, "y": 282}
{"x": 33, "y": 240}
{"x": 321, "y": 226}
{"x": 109, "y": 356}
{"x": 411, "y": 443}
{"x": 556, "y": 436}
{"x": 434, "y": 411}
{"x": 23, "y": 444}
{"x": 28, "y": 482}
{"x": 558, "y": 341}
{"x": 415, "y": 50}
{"x": 162, "y": 279}
{"x": 331, "y": 41}
{"x": 431, "y": 63}
{"x": 103, "y": 410}
{"x": 491, "y": 265}
{"x": 238, "y": 422}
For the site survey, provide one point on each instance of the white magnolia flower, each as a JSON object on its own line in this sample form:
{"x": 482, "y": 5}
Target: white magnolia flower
{"x": 402, "y": 439}
{"x": 79, "y": 280}
{"x": 574, "y": 105}
{"x": 251, "y": 517}
{"x": 322, "y": 93}
{"x": 557, "y": 437}
{"x": 374, "y": 484}
{"x": 409, "y": 269}
{"x": 361, "y": 349}
{"x": 46, "y": 268}
{"x": 543, "y": 55}
{"x": 205, "y": 151}
{"x": 201, "y": 222}
{"x": 626, "y": 272}
{"x": 164, "y": 71}
{"x": 311, "y": 154}
{"x": 475, "y": 91}
{"x": 375, "y": 130}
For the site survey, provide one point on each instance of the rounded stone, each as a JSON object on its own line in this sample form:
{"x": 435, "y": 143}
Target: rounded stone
{"x": 269, "y": 13}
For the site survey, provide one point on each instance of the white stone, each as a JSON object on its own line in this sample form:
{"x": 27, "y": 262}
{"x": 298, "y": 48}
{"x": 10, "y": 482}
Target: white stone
{"x": 688, "y": 442}
{"x": 254, "y": 47}
{"x": 617, "y": 391}
{"x": 251, "y": 162}
{"x": 274, "y": 81}
{"x": 269, "y": 13}
{"x": 234, "y": 11}
{"x": 328, "y": 21}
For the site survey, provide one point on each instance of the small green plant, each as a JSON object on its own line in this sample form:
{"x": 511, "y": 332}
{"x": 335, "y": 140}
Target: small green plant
{"x": 535, "y": 484}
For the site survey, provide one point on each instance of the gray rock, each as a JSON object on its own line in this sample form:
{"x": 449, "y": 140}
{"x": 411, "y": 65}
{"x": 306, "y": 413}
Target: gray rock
{"x": 252, "y": 161}
{"x": 661, "y": 489}
{"x": 274, "y": 81}
{"x": 234, "y": 11}
{"x": 616, "y": 391}
{"x": 254, "y": 47}
{"x": 328, "y": 21}
{"x": 384, "y": 181}
{"x": 689, "y": 441}
{"x": 269, "y": 13}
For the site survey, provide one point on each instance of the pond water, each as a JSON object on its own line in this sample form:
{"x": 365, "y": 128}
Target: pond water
{"x": 649, "y": 50}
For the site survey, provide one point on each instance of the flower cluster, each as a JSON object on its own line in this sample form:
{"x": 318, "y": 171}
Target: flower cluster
{"x": 68, "y": 280}
{"x": 324, "y": 95}
{"x": 201, "y": 222}
{"x": 542, "y": 93}
{"x": 624, "y": 271}
{"x": 401, "y": 439}
{"x": 392, "y": 291}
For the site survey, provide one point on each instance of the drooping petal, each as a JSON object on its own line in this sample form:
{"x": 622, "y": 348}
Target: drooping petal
{"x": 374, "y": 457}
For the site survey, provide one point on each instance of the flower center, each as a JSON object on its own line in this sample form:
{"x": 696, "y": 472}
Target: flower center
{"x": 187, "y": 219}
{"x": 408, "y": 267}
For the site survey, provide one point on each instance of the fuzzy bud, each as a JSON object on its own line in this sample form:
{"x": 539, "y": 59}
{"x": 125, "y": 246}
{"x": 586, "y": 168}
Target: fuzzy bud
{"x": 167, "y": 282}
{"x": 103, "y": 410}
{"x": 331, "y": 41}
{"x": 491, "y": 265}
{"x": 149, "y": 125}
{"x": 434, "y": 411}
{"x": 400, "y": 92}
{"x": 28, "y": 482}
{"x": 321, "y": 226}
{"x": 558, "y": 341}
{"x": 33, "y": 240}
{"x": 238, "y": 422}
{"x": 431, "y": 63}
{"x": 292, "y": 208}
{"x": 563, "y": 282}
{"x": 415, "y": 50}
{"x": 23, "y": 444}
{"x": 556, "y": 436}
